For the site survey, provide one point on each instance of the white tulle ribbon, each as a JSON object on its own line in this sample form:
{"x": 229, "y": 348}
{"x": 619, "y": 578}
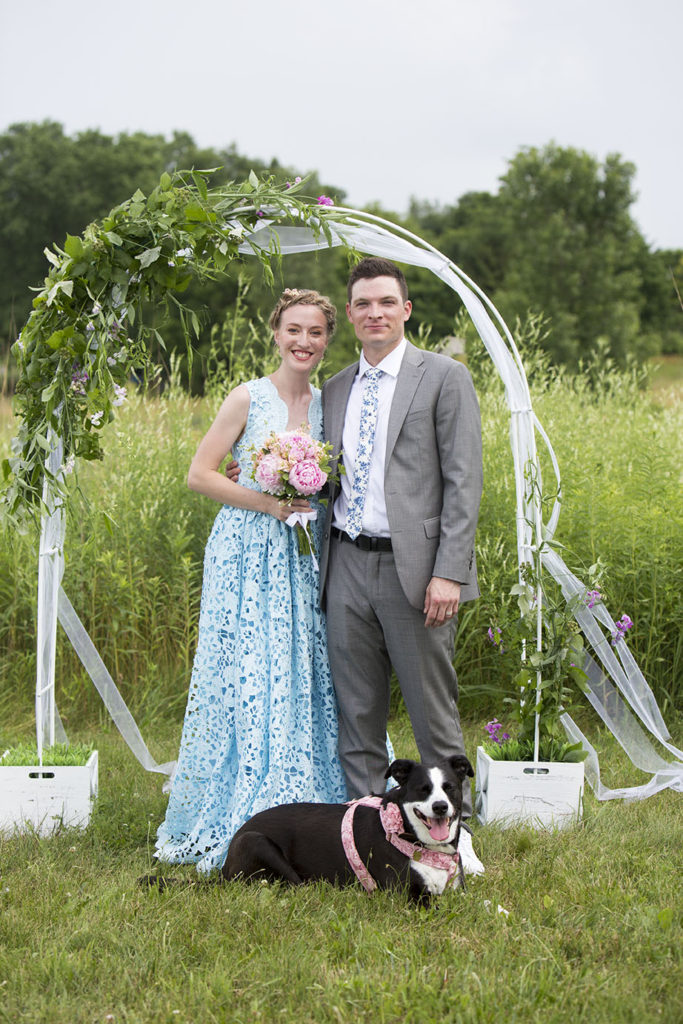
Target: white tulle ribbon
{"x": 302, "y": 519}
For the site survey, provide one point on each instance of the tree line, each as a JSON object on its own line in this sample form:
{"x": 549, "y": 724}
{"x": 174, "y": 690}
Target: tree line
{"x": 557, "y": 238}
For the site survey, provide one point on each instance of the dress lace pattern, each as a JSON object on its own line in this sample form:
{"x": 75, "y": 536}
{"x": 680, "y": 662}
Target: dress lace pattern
{"x": 261, "y": 721}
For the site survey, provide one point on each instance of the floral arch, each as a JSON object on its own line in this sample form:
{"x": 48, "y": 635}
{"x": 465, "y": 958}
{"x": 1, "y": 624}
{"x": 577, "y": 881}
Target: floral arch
{"x": 87, "y": 333}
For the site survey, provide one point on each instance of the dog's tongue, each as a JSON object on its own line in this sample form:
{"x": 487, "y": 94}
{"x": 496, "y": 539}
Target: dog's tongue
{"x": 438, "y": 829}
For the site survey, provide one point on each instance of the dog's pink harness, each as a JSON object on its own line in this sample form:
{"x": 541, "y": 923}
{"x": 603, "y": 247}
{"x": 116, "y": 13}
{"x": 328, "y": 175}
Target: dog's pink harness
{"x": 392, "y": 822}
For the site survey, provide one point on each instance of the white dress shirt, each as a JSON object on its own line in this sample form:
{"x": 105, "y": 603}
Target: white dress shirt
{"x": 375, "y": 522}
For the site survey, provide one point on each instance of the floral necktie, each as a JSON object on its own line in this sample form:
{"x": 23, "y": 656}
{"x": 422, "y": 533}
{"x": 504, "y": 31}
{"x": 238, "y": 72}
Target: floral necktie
{"x": 366, "y": 440}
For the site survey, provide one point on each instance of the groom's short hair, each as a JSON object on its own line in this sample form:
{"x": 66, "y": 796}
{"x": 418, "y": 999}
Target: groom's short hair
{"x": 375, "y": 266}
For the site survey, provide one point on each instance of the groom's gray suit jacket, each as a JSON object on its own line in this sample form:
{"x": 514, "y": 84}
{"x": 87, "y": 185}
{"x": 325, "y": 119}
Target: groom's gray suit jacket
{"x": 433, "y": 470}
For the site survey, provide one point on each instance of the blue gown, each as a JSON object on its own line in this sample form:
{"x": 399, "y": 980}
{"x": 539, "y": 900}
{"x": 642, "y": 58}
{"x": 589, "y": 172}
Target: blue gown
{"x": 261, "y": 721}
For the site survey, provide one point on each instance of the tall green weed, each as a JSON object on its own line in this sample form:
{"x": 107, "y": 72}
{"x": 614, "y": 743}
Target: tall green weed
{"x": 136, "y": 537}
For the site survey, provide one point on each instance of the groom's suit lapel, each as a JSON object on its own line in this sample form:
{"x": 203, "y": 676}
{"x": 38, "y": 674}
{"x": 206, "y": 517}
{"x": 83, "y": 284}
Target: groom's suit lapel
{"x": 409, "y": 377}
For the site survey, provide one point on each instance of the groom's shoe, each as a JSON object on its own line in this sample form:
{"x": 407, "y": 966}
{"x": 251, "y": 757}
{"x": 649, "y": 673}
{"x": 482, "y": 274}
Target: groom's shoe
{"x": 471, "y": 864}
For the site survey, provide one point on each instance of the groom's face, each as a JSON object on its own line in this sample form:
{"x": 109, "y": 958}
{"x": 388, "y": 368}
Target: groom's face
{"x": 378, "y": 313}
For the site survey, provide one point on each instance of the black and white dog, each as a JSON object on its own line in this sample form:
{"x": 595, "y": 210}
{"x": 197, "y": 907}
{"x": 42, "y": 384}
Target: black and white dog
{"x": 299, "y": 843}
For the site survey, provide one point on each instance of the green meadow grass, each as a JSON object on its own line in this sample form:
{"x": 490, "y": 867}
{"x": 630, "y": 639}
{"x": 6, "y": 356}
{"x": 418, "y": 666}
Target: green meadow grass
{"x": 136, "y": 538}
{"x": 592, "y": 929}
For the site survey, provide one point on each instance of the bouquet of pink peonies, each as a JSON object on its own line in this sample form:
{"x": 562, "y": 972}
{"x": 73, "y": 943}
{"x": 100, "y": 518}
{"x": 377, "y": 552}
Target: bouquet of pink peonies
{"x": 293, "y": 465}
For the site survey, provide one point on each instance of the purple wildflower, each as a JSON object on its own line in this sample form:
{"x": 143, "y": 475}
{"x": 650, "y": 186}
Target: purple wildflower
{"x": 592, "y": 598}
{"x": 325, "y": 201}
{"x": 260, "y": 213}
{"x": 623, "y": 625}
{"x": 495, "y": 633}
{"x": 493, "y": 729}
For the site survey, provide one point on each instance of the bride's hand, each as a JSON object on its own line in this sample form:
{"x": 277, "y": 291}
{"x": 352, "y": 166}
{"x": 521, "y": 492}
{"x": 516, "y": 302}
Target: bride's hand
{"x": 283, "y": 511}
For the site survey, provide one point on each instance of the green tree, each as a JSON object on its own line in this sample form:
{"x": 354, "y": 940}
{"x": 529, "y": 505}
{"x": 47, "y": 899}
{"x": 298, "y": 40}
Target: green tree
{"x": 558, "y": 239}
{"x": 662, "y": 310}
{"x": 52, "y": 184}
{"x": 572, "y": 249}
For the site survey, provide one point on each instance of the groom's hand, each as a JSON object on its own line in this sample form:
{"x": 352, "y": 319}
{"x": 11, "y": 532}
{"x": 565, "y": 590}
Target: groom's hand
{"x": 442, "y": 600}
{"x": 232, "y": 471}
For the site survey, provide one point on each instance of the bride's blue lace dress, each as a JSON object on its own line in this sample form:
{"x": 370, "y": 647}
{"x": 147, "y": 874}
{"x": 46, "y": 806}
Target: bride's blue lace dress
{"x": 261, "y": 721}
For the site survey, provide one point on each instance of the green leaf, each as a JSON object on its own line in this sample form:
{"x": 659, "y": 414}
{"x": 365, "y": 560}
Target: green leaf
{"x": 66, "y": 287}
{"x": 53, "y": 259}
{"x": 59, "y": 338}
{"x": 195, "y": 212}
{"x": 253, "y": 180}
{"x": 47, "y": 393}
{"x": 149, "y": 256}
{"x": 73, "y": 247}
{"x": 201, "y": 185}
{"x": 182, "y": 283}
{"x": 195, "y": 323}
{"x": 113, "y": 237}
{"x": 165, "y": 181}
{"x": 109, "y": 523}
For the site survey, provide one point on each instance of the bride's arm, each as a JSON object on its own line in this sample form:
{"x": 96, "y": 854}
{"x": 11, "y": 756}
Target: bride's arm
{"x": 204, "y": 477}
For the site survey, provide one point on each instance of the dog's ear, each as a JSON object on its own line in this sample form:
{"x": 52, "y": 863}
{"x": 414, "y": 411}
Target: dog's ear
{"x": 461, "y": 766}
{"x": 400, "y": 770}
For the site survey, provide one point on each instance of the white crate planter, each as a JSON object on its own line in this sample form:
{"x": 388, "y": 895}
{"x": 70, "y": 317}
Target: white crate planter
{"x": 511, "y": 793}
{"x": 45, "y": 798}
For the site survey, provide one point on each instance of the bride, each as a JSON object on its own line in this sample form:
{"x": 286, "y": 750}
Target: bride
{"x": 261, "y": 722}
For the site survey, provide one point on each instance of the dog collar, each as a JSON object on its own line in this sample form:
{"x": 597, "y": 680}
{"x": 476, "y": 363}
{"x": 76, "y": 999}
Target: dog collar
{"x": 392, "y": 823}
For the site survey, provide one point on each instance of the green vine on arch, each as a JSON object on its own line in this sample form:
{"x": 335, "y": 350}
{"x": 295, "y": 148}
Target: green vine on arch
{"x": 87, "y": 332}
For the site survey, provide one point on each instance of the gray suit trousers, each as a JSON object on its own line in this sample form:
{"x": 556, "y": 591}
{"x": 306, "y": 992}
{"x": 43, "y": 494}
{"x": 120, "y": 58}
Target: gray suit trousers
{"x": 368, "y": 613}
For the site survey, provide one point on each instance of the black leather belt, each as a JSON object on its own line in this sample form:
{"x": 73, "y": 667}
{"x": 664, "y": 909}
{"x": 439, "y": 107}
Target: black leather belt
{"x": 364, "y": 542}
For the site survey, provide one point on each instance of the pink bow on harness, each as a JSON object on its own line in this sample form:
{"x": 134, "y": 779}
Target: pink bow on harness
{"x": 392, "y": 822}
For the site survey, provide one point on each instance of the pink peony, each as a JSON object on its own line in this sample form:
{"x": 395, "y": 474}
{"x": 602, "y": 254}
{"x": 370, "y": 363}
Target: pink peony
{"x": 296, "y": 446}
{"x": 307, "y": 477}
{"x": 267, "y": 473}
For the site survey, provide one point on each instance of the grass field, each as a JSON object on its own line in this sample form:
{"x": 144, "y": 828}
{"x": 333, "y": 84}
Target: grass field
{"x": 590, "y": 926}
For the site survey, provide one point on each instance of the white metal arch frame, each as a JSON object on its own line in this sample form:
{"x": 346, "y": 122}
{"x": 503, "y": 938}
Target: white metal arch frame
{"x": 619, "y": 692}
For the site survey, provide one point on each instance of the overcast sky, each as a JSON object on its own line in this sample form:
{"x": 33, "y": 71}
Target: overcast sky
{"x": 387, "y": 99}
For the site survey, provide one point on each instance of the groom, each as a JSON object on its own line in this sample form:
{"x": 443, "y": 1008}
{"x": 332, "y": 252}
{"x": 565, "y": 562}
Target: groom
{"x": 398, "y": 547}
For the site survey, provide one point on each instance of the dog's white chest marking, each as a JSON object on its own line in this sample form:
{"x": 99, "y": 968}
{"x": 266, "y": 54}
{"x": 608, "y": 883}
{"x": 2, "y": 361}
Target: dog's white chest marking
{"x": 433, "y": 879}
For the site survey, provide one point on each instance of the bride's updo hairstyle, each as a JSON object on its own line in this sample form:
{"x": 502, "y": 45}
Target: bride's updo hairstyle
{"x": 304, "y": 297}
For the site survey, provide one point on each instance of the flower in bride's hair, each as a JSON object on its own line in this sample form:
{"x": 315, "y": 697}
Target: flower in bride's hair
{"x": 307, "y": 477}
{"x": 267, "y": 473}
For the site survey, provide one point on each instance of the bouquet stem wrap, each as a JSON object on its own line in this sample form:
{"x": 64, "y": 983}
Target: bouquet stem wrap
{"x": 299, "y": 521}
